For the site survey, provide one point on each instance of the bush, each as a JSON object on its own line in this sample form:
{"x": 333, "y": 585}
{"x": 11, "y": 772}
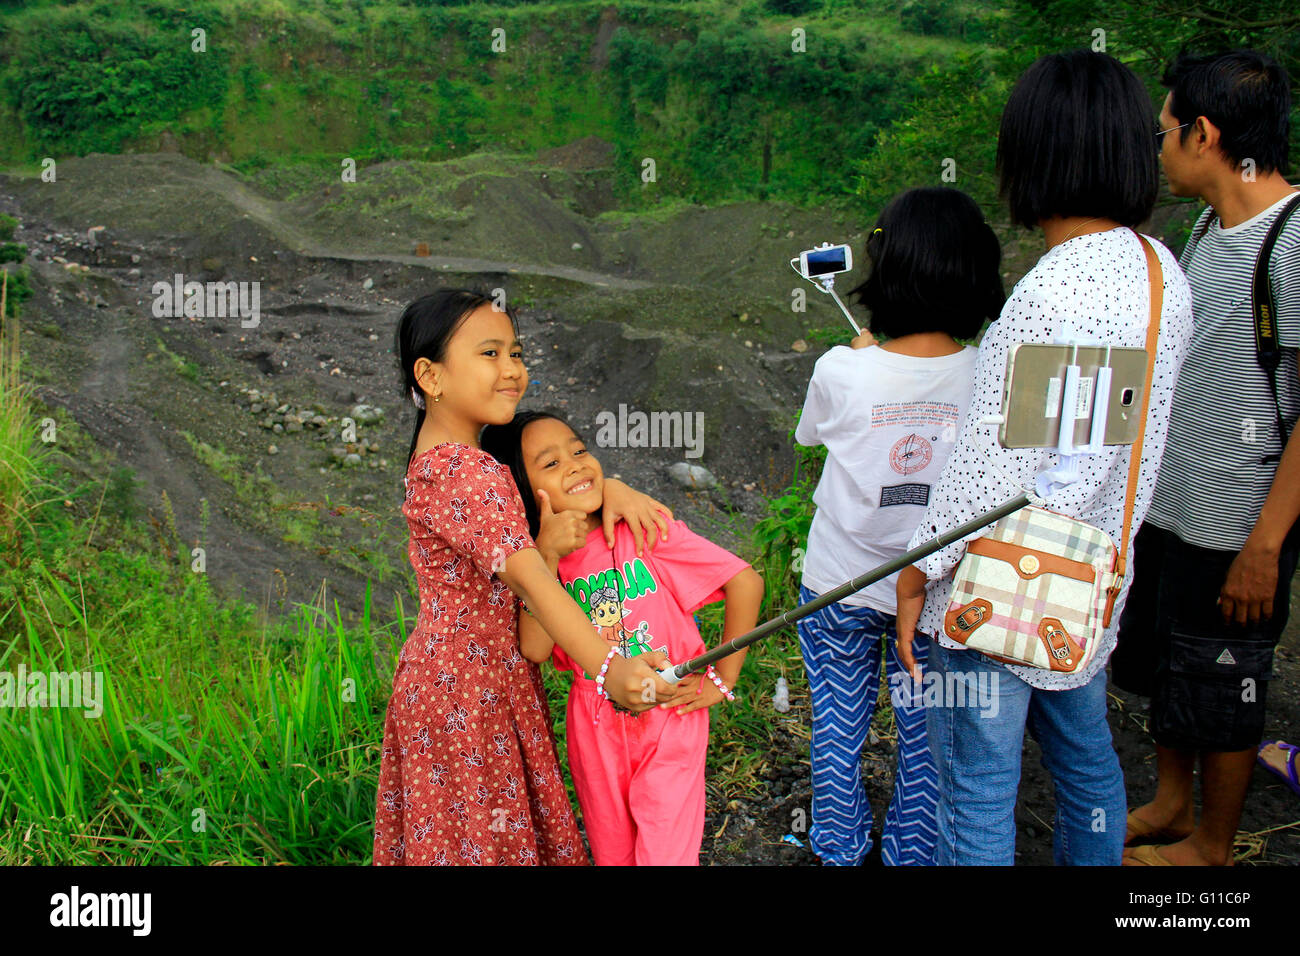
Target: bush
{"x": 19, "y": 289}
{"x": 927, "y": 17}
{"x": 790, "y": 8}
{"x": 82, "y": 83}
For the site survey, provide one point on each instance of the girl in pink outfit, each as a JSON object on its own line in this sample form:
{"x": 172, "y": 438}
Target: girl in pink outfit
{"x": 639, "y": 778}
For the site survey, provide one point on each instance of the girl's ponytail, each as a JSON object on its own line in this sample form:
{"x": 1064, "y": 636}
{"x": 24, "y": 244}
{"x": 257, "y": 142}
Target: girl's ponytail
{"x": 419, "y": 423}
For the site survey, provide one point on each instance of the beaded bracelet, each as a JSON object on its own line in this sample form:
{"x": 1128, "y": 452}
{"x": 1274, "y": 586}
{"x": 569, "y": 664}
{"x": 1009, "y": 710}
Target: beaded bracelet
{"x": 600, "y": 682}
{"x": 604, "y": 669}
{"x": 713, "y": 676}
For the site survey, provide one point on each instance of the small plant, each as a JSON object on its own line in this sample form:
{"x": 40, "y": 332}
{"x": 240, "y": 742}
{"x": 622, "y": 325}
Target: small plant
{"x": 19, "y": 456}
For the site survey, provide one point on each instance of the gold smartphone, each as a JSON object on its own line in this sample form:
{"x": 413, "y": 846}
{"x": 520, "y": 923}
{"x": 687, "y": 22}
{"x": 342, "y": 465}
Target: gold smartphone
{"x": 1033, "y": 394}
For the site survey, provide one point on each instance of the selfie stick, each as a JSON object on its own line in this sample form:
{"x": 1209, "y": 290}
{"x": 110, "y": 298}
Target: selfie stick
{"x": 673, "y": 674}
{"x": 1047, "y": 483}
{"x": 828, "y": 285}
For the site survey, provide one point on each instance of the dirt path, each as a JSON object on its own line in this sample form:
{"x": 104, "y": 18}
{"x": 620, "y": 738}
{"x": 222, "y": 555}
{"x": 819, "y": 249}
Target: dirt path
{"x": 277, "y": 218}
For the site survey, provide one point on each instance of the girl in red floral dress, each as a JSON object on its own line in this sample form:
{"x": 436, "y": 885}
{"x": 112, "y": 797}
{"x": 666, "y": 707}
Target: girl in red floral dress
{"x": 469, "y": 773}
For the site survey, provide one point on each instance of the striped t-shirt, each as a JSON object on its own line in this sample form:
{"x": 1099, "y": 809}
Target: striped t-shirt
{"x": 1212, "y": 482}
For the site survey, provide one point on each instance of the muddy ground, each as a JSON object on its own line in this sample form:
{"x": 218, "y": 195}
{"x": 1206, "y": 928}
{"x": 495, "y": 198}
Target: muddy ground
{"x": 244, "y": 430}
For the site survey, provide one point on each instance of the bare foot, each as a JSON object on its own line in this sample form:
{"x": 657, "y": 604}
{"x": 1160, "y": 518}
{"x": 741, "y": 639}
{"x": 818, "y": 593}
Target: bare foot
{"x": 1275, "y": 757}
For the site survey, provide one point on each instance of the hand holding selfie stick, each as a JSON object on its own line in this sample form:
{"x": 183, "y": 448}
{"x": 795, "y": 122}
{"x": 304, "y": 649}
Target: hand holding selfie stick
{"x": 673, "y": 674}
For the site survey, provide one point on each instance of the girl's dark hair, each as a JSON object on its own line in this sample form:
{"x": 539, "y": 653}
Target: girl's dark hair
{"x": 505, "y": 443}
{"x": 1078, "y": 139}
{"x": 423, "y": 331}
{"x": 934, "y": 266}
{"x": 1246, "y": 94}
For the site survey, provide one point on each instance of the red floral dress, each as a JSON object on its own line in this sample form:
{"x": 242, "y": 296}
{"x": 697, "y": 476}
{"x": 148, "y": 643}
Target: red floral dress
{"x": 469, "y": 773}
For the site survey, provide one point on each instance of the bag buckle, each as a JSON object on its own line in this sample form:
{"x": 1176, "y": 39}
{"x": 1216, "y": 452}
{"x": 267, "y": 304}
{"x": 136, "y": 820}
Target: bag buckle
{"x": 970, "y": 618}
{"x": 1057, "y": 642}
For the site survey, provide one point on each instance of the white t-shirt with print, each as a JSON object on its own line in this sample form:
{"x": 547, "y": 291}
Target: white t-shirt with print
{"x": 888, "y": 422}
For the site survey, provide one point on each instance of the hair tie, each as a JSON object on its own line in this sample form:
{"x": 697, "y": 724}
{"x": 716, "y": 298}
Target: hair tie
{"x": 877, "y": 231}
{"x": 417, "y": 398}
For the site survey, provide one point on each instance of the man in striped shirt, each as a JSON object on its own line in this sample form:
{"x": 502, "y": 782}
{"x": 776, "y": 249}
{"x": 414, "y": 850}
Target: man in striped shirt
{"x": 1214, "y": 558}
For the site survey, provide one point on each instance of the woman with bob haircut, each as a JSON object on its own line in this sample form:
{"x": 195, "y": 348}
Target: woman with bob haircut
{"x": 1077, "y": 159}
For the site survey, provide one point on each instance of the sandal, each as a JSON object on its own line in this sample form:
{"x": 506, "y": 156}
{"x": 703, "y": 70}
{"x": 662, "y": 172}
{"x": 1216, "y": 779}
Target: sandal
{"x": 1145, "y": 856}
{"x": 1289, "y": 778}
{"x": 1138, "y": 832}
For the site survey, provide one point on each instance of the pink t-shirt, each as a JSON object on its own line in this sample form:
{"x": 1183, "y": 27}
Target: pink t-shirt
{"x": 646, "y": 604}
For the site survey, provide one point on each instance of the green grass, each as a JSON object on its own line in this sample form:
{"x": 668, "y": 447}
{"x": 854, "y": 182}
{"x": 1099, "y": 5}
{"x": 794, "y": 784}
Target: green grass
{"x": 185, "y": 368}
{"x": 225, "y": 736}
{"x": 21, "y": 457}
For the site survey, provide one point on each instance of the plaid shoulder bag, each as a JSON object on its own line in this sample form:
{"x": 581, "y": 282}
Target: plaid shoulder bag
{"x": 1038, "y": 590}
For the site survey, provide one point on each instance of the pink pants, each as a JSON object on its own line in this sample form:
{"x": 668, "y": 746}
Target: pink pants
{"x": 640, "y": 781}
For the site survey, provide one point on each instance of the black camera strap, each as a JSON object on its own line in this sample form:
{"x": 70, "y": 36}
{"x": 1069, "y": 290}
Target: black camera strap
{"x": 1264, "y": 307}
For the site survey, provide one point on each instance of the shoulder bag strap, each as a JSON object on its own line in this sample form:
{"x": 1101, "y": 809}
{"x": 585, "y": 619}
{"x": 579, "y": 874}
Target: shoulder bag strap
{"x": 1155, "y": 279}
{"x": 1264, "y": 306}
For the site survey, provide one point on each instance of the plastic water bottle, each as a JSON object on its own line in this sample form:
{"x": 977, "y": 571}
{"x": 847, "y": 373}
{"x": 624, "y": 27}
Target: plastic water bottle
{"x": 781, "y": 699}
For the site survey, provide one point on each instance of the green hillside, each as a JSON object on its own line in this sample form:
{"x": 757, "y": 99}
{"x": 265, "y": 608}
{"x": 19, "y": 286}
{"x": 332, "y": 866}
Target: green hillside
{"x": 728, "y": 102}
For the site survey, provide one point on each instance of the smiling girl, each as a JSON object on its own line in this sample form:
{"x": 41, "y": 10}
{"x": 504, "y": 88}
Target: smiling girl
{"x": 639, "y": 780}
{"x": 469, "y": 773}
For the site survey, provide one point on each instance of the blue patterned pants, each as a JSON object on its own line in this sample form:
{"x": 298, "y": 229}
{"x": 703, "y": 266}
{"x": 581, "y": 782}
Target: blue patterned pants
{"x": 842, "y": 647}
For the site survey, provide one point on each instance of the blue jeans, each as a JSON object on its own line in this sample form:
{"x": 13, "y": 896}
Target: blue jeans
{"x": 977, "y": 752}
{"x": 842, "y": 647}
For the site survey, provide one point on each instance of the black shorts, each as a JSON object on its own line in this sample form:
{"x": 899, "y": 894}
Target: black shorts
{"x": 1208, "y": 681}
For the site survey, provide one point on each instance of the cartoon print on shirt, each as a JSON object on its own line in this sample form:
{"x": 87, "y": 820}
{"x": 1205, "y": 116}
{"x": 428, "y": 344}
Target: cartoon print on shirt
{"x": 607, "y": 613}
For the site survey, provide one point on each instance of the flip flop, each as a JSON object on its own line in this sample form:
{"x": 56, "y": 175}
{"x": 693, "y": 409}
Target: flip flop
{"x": 1139, "y": 832}
{"x": 1145, "y": 856}
{"x": 1289, "y": 778}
